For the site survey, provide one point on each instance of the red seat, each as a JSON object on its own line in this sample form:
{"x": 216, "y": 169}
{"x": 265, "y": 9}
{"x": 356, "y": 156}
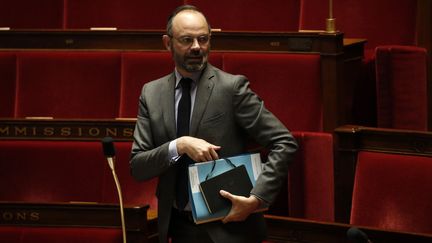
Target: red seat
{"x": 309, "y": 191}
{"x": 25, "y": 14}
{"x": 64, "y": 171}
{"x": 8, "y": 79}
{"x": 22, "y": 234}
{"x": 270, "y": 15}
{"x": 65, "y": 84}
{"x": 132, "y": 14}
{"x": 402, "y": 98}
{"x": 139, "y": 68}
{"x": 292, "y": 94}
{"x": 393, "y": 191}
{"x": 58, "y": 171}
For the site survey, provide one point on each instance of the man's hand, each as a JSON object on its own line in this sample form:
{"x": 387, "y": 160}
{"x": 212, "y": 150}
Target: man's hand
{"x": 197, "y": 149}
{"x": 241, "y": 207}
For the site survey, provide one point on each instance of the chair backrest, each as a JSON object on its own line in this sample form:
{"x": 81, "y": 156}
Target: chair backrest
{"x": 245, "y": 15}
{"x": 65, "y": 84}
{"x": 292, "y": 94}
{"x": 131, "y": 14}
{"x": 310, "y": 180}
{"x": 64, "y": 171}
{"x": 25, "y": 14}
{"x": 7, "y": 83}
{"x": 393, "y": 191}
{"x": 402, "y": 89}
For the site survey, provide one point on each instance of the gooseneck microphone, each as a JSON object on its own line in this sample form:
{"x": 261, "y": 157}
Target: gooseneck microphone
{"x": 109, "y": 152}
{"x": 356, "y": 235}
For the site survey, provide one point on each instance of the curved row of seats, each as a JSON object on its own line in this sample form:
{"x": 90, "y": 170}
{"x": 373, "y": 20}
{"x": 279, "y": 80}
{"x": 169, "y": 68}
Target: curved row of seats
{"x": 76, "y": 171}
{"x": 107, "y": 84}
{"x": 357, "y": 19}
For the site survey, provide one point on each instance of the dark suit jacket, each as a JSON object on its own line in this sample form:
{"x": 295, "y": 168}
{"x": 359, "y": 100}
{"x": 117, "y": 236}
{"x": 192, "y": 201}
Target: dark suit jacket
{"x": 226, "y": 113}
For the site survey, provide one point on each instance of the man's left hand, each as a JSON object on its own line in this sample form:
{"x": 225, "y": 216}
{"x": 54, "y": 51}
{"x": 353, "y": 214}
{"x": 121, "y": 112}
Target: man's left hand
{"x": 241, "y": 207}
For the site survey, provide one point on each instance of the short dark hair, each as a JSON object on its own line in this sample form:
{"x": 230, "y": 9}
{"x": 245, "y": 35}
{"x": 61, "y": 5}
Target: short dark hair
{"x": 181, "y": 9}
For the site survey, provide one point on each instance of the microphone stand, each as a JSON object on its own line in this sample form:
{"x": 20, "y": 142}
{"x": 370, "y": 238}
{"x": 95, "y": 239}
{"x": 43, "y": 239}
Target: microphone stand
{"x": 111, "y": 162}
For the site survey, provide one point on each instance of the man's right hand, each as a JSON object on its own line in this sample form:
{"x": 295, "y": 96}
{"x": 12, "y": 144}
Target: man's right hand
{"x": 197, "y": 149}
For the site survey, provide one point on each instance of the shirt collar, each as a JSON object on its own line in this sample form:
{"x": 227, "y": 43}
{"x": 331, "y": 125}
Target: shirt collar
{"x": 195, "y": 77}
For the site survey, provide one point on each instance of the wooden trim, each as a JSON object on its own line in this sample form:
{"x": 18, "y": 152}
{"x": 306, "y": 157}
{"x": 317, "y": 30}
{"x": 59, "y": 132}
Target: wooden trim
{"x": 70, "y": 130}
{"x": 152, "y": 40}
{"x": 140, "y": 227}
{"x": 424, "y": 39}
{"x": 286, "y": 229}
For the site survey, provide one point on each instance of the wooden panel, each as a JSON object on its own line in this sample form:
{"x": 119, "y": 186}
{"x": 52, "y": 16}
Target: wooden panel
{"x": 80, "y": 215}
{"x": 285, "y": 229}
{"x": 57, "y": 129}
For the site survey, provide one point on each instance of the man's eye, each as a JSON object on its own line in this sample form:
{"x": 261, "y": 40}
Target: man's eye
{"x": 187, "y": 40}
{"x": 203, "y": 39}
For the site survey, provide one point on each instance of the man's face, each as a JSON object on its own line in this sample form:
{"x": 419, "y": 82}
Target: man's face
{"x": 190, "y": 42}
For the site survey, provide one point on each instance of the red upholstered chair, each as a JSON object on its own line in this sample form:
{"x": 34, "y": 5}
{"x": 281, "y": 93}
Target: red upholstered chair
{"x": 134, "y": 192}
{"x": 132, "y": 14}
{"x": 393, "y": 191}
{"x": 139, "y": 68}
{"x": 51, "y": 171}
{"x": 24, "y": 14}
{"x": 65, "y": 84}
{"x": 289, "y": 84}
{"x": 10, "y": 234}
{"x": 309, "y": 190}
{"x": 311, "y": 186}
{"x": 7, "y": 83}
{"x": 270, "y": 15}
{"x": 64, "y": 171}
{"x": 401, "y": 75}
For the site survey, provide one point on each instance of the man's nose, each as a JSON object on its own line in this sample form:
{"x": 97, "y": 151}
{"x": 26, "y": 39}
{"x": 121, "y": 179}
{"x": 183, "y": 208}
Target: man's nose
{"x": 195, "y": 44}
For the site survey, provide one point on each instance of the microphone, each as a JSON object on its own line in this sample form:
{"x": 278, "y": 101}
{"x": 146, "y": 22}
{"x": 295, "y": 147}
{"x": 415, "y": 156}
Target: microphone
{"x": 356, "y": 235}
{"x": 109, "y": 152}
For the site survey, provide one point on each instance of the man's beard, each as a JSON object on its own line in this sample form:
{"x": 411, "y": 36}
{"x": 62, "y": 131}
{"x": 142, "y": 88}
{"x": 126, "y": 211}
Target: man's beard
{"x": 190, "y": 65}
{"x": 194, "y": 67}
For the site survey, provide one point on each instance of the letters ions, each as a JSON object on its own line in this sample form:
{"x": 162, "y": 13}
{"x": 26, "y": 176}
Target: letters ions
{"x": 7, "y": 216}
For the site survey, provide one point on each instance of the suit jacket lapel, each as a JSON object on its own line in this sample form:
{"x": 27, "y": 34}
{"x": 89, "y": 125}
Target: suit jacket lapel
{"x": 167, "y": 103}
{"x": 204, "y": 89}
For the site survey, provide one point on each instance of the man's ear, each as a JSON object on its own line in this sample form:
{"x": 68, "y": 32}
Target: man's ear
{"x": 167, "y": 42}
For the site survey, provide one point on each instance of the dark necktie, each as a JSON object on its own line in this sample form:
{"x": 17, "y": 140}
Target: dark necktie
{"x": 183, "y": 119}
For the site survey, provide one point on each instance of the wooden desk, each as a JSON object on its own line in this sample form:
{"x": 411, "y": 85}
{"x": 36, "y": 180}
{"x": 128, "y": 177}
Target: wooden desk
{"x": 152, "y": 40}
{"x": 140, "y": 225}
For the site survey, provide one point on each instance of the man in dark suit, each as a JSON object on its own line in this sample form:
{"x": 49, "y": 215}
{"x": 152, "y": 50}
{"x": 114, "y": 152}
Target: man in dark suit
{"x": 223, "y": 115}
